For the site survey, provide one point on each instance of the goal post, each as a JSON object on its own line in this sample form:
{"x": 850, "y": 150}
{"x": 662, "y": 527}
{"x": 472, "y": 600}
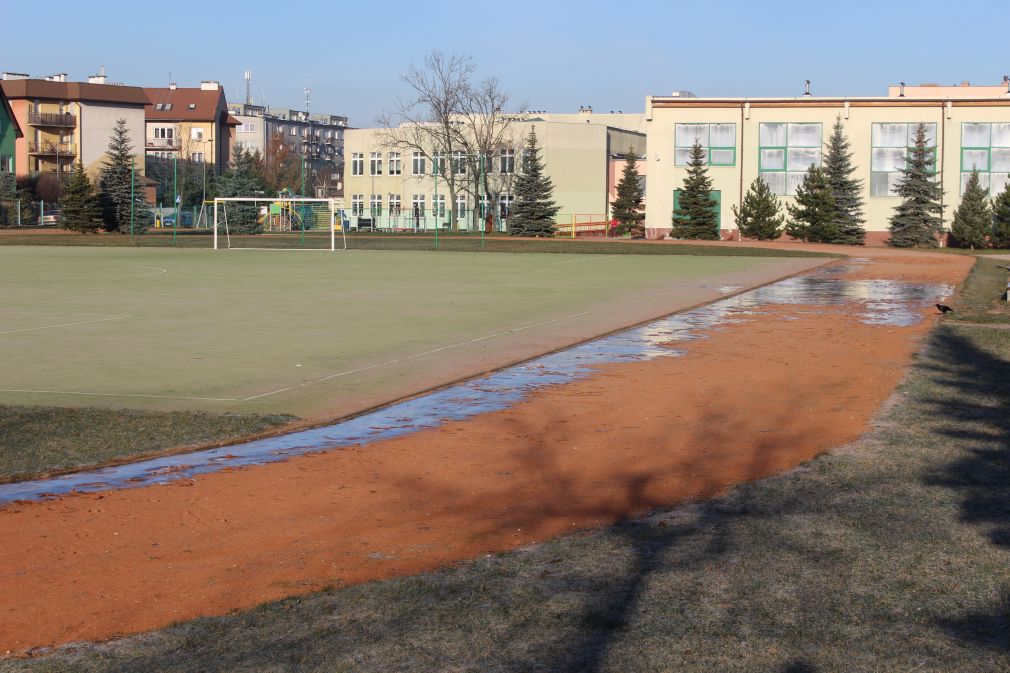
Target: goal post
{"x": 278, "y": 223}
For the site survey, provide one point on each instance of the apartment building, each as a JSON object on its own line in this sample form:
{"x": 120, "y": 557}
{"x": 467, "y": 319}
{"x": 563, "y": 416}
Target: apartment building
{"x": 319, "y": 138}
{"x": 189, "y": 123}
{"x": 65, "y": 122}
{"x": 778, "y": 139}
{"x": 391, "y": 187}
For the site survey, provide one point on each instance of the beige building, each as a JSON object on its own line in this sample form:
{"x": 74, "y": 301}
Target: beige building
{"x": 189, "y": 124}
{"x": 69, "y": 122}
{"x": 397, "y": 189}
{"x": 777, "y": 139}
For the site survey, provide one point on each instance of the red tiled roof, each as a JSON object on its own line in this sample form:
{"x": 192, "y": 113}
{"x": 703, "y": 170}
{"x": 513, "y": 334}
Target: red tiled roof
{"x": 183, "y": 104}
{"x": 231, "y": 121}
{"x": 40, "y": 88}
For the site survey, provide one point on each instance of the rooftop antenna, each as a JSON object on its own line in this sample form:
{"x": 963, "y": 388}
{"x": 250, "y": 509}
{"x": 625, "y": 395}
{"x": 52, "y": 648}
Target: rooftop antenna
{"x": 307, "y": 93}
{"x": 248, "y": 84}
{"x": 901, "y": 89}
{"x": 806, "y": 87}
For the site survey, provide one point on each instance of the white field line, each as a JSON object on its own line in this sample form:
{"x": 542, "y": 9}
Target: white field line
{"x": 580, "y": 259}
{"x": 67, "y": 324}
{"x": 157, "y": 271}
{"x": 159, "y": 397}
{"x": 416, "y": 355}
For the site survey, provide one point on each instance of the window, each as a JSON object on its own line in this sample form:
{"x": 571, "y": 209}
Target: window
{"x": 294, "y": 131}
{"x": 459, "y": 163}
{"x": 438, "y": 164}
{"x": 985, "y": 147}
{"x": 375, "y": 205}
{"x": 394, "y": 163}
{"x": 418, "y": 204}
{"x": 197, "y": 157}
{"x": 460, "y": 206}
{"x": 438, "y": 205}
{"x": 247, "y": 127}
{"x": 417, "y": 164}
{"x": 6, "y": 163}
{"x": 192, "y": 106}
{"x": 890, "y": 143}
{"x": 484, "y": 205}
{"x": 196, "y": 134}
{"x": 394, "y": 204}
{"x": 375, "y": 163}
{"x": 357, "y": 164}
{"x": 505, "y": 205}
{"x": 163, "y": 106}
{"x": 785, "y": 152}
{"x": 163, "y": 132}
{"x": 507, "y": 161}
{"x": 718, "y": 141}
{"x": 357, "y": 204}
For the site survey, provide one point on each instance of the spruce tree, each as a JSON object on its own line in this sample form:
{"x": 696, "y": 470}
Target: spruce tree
{"x": 116, "y": 183}
{"x": 973, "y": 217}
{"x": 241, "y": 179}
{"x": 813, "y": 213}
{"x": 760, "y": 215}
{"x": 627, "y": 207}
{"x": 533, "y": 210}
{"x": 696, "y": 218}
{"x": 79, "y": 208}
{"x": 847, "y": 190}
{"x": 1001, "y": 219}
{"x": 919, "y": 217}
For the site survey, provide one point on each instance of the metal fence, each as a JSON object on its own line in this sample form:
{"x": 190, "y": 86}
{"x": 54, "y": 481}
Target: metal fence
{"x": 16, "y": 213}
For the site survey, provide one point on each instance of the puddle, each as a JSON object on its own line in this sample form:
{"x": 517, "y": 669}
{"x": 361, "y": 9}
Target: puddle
{"x": 874, "y": 302}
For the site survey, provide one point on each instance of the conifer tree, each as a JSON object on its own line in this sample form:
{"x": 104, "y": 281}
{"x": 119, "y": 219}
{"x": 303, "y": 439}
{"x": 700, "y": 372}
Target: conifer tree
{"x": 116, "y": 183}
{"x": 760, "y": 215}
{"x": 533, "y": 210}
{"x": 696, "y": 218}
{"x": 813, "y": 213}
{"x": 1001, "y": 219}
{"x": 79, "y": 208}
{"x": 627, "y": 207}
{"x": 241, "y": 179}
{"x": 919, "y": 217}
{"x": 973, "y": 217}
{"x": 847, "y": 190}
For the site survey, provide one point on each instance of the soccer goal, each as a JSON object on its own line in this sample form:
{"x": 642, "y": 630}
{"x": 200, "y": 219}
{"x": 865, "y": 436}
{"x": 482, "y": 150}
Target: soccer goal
{"x": 278, "y": 223}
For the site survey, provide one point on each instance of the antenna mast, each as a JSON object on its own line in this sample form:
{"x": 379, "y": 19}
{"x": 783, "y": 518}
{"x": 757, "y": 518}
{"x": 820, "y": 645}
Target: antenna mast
{"x": 248, "y": 90}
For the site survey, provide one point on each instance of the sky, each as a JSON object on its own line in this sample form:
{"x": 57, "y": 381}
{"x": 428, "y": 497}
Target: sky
{"x": 554, "y": 56}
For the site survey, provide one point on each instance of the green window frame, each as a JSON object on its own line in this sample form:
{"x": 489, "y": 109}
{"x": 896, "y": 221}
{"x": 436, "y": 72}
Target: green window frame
{"x": 715, "y": 195}
{"x": 993, "y": 149}
{"x": 715, "y": 155}
{"x": 885, "y": 139}
{"x": 786, "y": 150}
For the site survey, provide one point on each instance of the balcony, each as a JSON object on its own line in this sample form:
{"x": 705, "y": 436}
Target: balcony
{"x": 52, "y": 119}
{"x": 163, "y": 143}
{"x": 52, "y": 149}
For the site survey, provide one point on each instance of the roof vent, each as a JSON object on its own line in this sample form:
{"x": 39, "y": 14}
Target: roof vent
{"x": 209, "y": 85}
{"x": 7, "y": 76}
{"x": 172, "y": 86}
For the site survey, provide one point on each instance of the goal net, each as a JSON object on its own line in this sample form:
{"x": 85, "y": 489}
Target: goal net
{"x": 278, "y": 223}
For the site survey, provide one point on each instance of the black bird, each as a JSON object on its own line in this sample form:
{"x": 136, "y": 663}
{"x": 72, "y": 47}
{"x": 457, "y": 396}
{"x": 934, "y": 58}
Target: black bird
{"x": 943, "y": 308}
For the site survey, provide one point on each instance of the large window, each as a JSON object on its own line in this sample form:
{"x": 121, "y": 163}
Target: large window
{"x": 459, "y": 163}
{"x": 890, "y": 143}
{"x": 394, "y": 163}
{"x": 357, "y": 163}
{"x": 394, "y": 204}
{"x": 375, "y": 163}
{"x": 507, "y": 161}
{"x": 357, "y": 204}
{"x": 196, "y": 134}
{"x": 375, "y": 204}
{"x": 460, "y": 206}
{"x": 163, "y": 132}
{"x": 718, "y": 141}
{"x": 417, "y": 164}
{"x": 438, "y": 205}
{"x": 418, "y": 204}
{"x": 438, "y": 164}
{"x": 785, "y": 153}
{"x": 505, "y": 205}
{"x": 985, "y": 148}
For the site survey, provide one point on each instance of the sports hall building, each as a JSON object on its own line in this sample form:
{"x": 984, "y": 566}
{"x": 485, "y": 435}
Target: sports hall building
{"x": 777, "y": 139}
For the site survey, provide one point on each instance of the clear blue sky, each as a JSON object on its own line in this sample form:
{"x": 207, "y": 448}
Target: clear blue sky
{"x": 550, "y": 55}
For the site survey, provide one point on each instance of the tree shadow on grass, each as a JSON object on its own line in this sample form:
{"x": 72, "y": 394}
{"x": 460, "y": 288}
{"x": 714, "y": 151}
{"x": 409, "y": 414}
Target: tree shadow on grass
{"x": 975, "y": 411}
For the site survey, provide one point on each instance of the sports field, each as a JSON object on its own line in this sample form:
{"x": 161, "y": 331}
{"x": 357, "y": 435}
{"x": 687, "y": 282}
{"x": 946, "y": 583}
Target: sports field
{"x": 313, "y": 333}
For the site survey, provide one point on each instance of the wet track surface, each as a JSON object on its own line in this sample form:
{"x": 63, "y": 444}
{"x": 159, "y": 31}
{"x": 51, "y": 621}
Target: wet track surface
{"x": 873, "y": 302}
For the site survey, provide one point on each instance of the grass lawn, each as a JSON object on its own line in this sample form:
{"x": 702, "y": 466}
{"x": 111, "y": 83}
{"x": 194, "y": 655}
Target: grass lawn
{"x": 981, "y": 298}
{"x": 889, "y": 555}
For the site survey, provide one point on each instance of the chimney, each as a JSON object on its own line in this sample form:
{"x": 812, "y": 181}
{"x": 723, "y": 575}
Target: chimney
{"x": 172, "y": 86}
{"x": 209, "y": 85}
{"x": 58, "y": 77}
{"x": 901, "y": 89}
{"x": 806, "y": 87}
{"x": 100, "y": 78}
{"x": 7, "y": 76}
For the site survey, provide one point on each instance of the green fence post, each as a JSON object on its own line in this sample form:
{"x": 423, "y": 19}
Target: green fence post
{"x": 434, "y": 206}
{"x": 133, "y": 199}
{"x": 481, "y": 209}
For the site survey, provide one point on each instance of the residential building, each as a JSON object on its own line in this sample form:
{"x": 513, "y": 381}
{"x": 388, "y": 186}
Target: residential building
{"x": 319, "y": 138}
{"x": 10, "y": 131}
{"x": 69, "y": 122}
{"x": 392, "y": 187}
{"x": 189, "y": 123}
{"x": 777, "y": 139}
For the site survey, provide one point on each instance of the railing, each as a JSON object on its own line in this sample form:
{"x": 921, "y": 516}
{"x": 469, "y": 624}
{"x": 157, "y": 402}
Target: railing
{"x": 44, "y": 148}
{"x": 163, "y": 142}
{"x": 52, "y": 119}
